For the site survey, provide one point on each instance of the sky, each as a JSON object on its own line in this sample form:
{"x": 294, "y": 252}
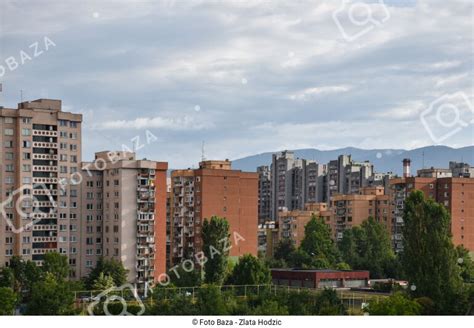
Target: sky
{"x": 246, "y": 77}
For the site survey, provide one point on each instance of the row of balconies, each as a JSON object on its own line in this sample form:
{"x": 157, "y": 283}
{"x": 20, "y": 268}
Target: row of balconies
{"x": 44, "y": 239}
{"x": 43, "y": 250}
{"x": 43, "y": 227}
{"x": 53, "y": 145}
{"x": 45, "y": 180}
{"x": 52, "y": 192}
{"x": 45, "y": 168}
{"x": 45, "y": 157}
{"x": 45, "y": 133}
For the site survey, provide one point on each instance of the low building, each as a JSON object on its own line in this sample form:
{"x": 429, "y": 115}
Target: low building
{"x": 320, "y": 278}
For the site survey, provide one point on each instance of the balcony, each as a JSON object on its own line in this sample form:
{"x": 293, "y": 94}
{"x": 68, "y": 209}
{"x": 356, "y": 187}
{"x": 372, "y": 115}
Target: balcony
{"x": 53, "y": 145}
{"x": 45, "y": 227}
{"x": 45, "y": 180}
{"x": 45, "y": 157}
{"x": 45, "y": 168}
{"x": 47, "y": 192}
{"x": 45, "y": 133}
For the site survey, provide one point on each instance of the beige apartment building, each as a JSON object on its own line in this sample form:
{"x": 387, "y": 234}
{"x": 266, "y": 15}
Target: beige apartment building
{"x": 40, "y": 149}
{"x": 50, "y": 201}
{"x": 352, "y": 210}
{"x": 124, "y": 207}
{"x": 291, "y": 224}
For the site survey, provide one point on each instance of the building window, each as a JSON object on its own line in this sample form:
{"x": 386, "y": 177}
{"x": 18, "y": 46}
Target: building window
{"x": 8, "y": 132}
{"x": 25, "y": 132}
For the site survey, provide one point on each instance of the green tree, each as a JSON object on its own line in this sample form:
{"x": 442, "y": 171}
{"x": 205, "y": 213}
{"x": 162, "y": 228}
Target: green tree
{"x": 25, "y": 273}
{"x": 396, "y": 304}
{"x": 109, "y": 267}
{"x": 269, "y": 307}
{"x": 180, "y": 277}
{"x": 250, "y": 271}
{"x": 348, "y": 246}
{"x": 429, "y": 257}
{"x": 216, "y": 239}
{"x": 318, "y": 243}
{"x": 8, "y": 301}
{"x": 7, "y": 277}
{"x": 301, "y": 259}
{"x": 103, "y": 282}
{"x": 465, "y": 263}
{"x": 328, "y": 303}
{"x": 284, "y": 249}
{"x": 210, "y": 301}
{"x": 57, "y": 265}
{"x": 50, "y": 297}
{"x": 368, "y": 247}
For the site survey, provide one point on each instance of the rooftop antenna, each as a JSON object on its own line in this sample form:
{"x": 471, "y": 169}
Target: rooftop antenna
{"x": 21, "y": 96}
{"x": 423, "y": 158}
{"x": 203, "y": 156}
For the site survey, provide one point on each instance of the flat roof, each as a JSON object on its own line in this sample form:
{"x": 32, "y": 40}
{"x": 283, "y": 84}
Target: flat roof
{"x": 316, "y": 270}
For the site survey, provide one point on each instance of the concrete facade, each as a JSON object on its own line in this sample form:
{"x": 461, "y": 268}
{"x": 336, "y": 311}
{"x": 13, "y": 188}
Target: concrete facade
{"x": 40, "y": 150}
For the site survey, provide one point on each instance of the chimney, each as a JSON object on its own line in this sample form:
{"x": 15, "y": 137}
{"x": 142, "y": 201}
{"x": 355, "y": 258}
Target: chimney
{"x": 406, "y": 167}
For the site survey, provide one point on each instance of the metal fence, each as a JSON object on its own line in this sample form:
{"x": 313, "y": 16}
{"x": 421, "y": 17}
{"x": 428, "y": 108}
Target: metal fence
{"x": 353, "y": 300}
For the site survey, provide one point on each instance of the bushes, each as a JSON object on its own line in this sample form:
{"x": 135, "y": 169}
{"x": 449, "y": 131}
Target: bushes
{"x": 211, "y": 300}
{"x": 396, "y": 304}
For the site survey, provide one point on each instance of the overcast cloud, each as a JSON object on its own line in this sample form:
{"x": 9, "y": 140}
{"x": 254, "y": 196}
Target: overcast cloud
{"x": 245, "y": 76}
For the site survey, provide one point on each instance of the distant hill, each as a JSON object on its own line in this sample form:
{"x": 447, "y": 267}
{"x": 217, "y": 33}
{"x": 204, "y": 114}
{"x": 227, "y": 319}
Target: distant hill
{"x": 384, "y": 160}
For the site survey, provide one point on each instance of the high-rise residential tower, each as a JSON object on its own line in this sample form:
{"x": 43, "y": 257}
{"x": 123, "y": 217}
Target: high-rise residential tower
{"x": 124, "y": 214}
{"x": 40, "y": 150}
{"x": 212, "y": 190}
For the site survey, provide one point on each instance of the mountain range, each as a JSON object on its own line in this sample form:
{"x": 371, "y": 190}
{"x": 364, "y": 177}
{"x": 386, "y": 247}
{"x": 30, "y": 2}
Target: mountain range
{"x": 384, "y": 160}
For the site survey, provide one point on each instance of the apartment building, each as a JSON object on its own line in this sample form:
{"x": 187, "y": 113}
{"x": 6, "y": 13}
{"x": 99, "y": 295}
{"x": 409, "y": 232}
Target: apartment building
{"x": 291, "y": 224}
{"x": 214, "y": 189}
{"x": 264, "y": 194}
{"x": 461, "y": 170}
{"x": 124, "y": 214}
{"x": 434, "y": 173}
{"x": 456, "y": 194}
{"x": 346, "y": 176}
{"x": 40, "y": 150}
{"x": 294, "y": 182}
{"x": 351, "y": 210}
{"x": 267, "y": 238}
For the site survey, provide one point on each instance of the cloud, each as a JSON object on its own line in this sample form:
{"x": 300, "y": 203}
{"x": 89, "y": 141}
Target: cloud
{"x": 175, "y": 124}
{"x": 132, "y": 65}
{"x": 319, "y": 91}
